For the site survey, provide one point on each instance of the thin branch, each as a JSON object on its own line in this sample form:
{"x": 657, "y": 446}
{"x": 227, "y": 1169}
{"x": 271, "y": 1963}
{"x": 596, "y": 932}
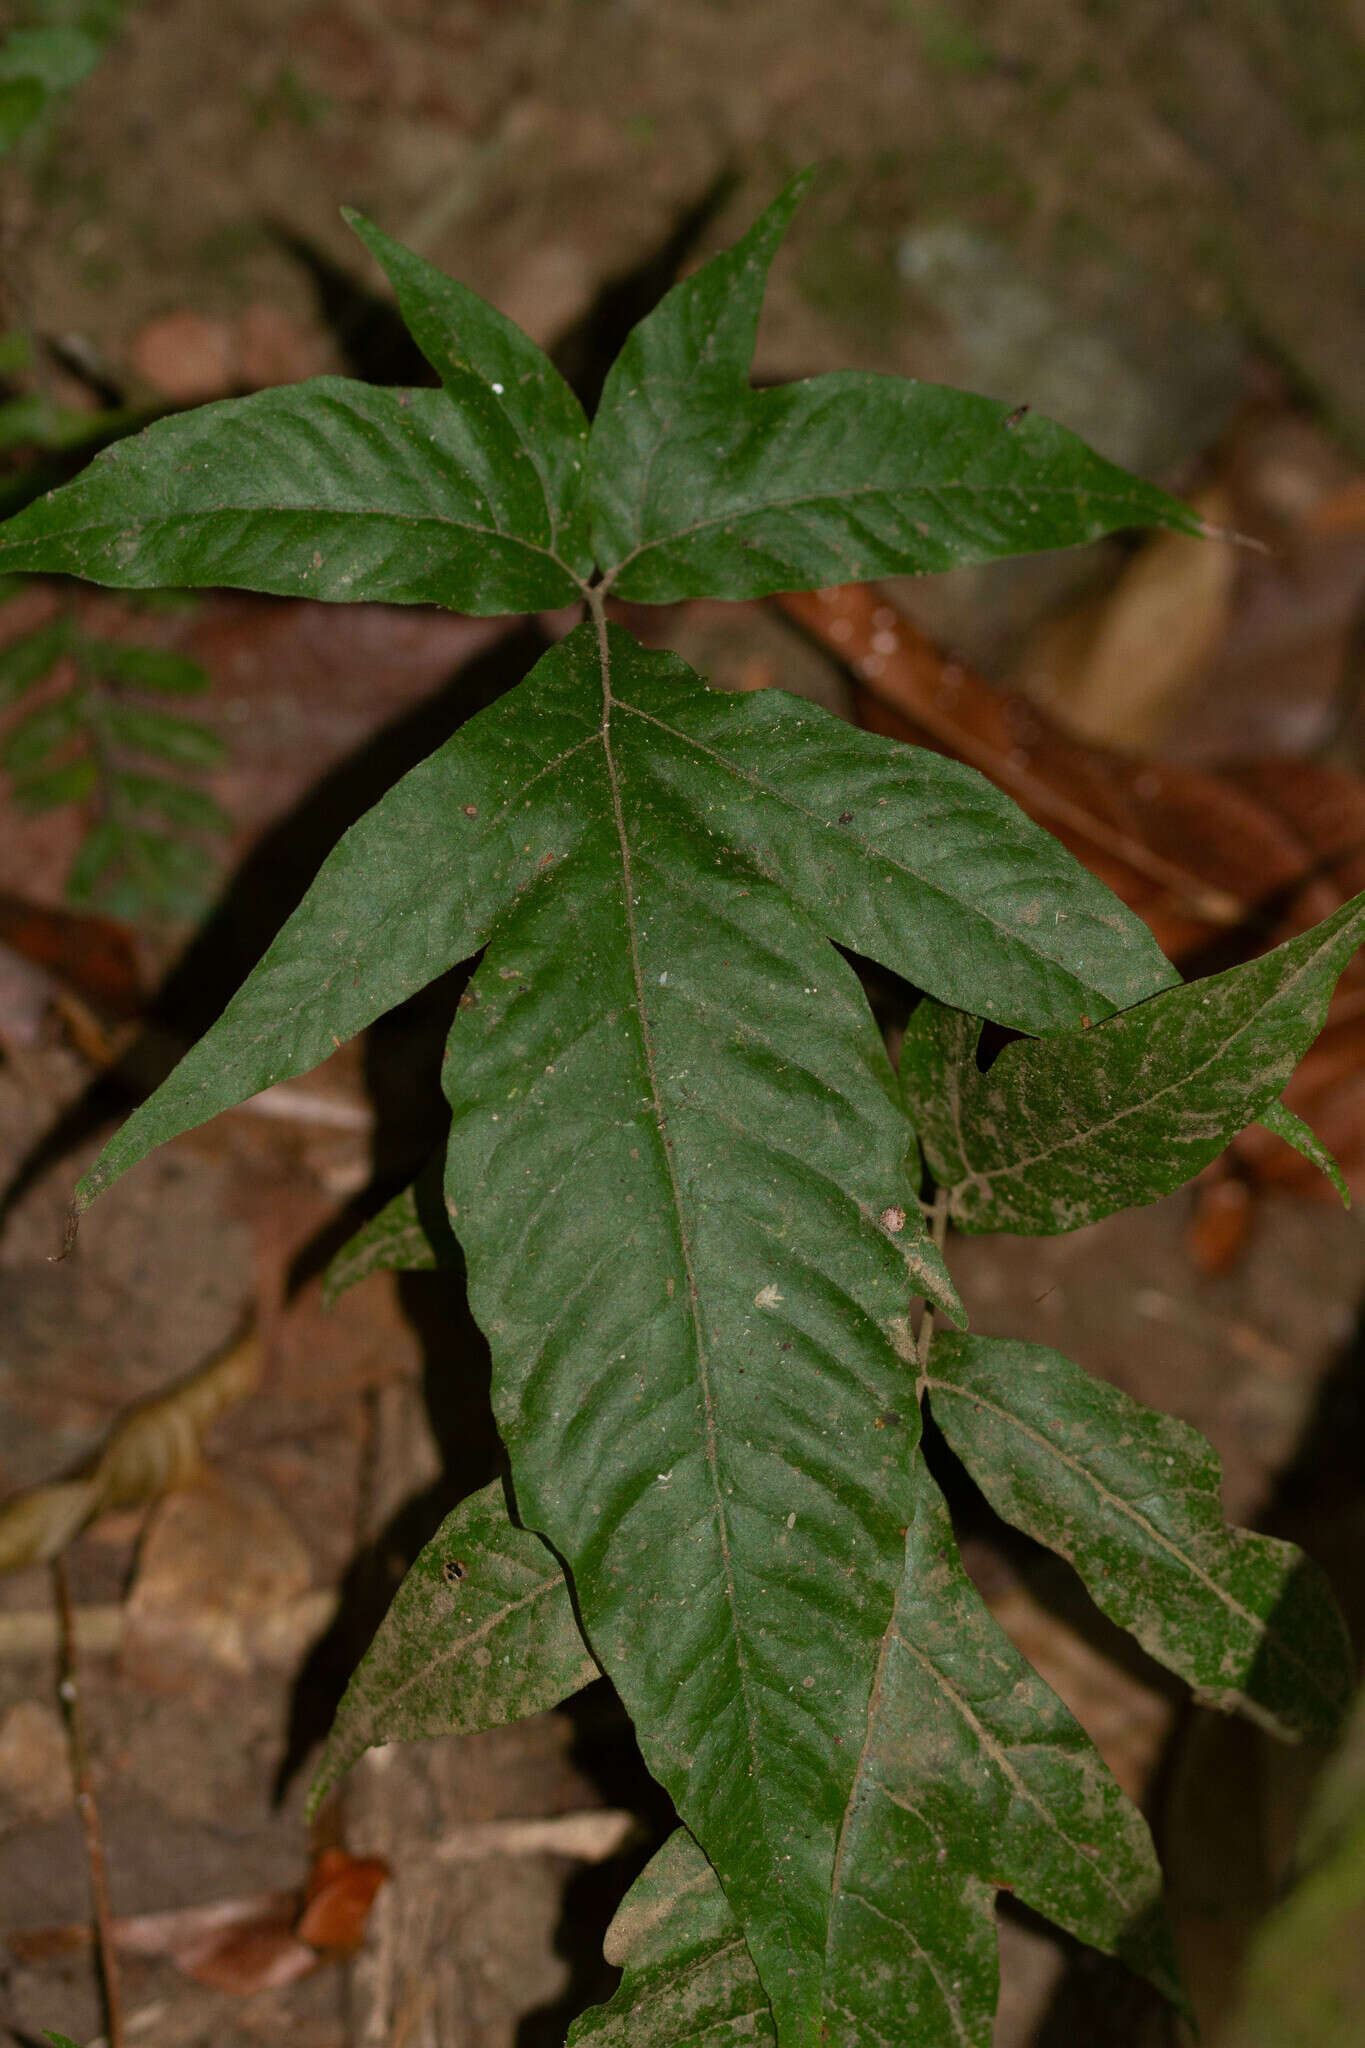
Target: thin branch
{"x": 68, "y": 1692}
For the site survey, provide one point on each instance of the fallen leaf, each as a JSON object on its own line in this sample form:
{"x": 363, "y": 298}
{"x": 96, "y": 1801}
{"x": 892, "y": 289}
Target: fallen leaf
{"x": 244, "y": 1945}
{"x": 185, "y": 356}
{"x": 154, "y": 1448}
{"x": 1116, "y": 669}
{"x": 341, "y": 1890}
{"x": 91, "y": 956}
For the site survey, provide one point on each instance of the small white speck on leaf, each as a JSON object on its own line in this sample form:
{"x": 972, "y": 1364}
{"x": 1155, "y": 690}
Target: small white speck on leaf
{"x": 767, "y": 1297}
{"x": 892, "y": 1219}
{"x": 498, "y": 389}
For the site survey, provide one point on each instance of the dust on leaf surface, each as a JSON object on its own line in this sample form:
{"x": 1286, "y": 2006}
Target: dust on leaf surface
{"x": 481, "y": 1631}
{"x": 1064, "y": 1130}
{"x": 972, "y": 1776}
{"x": 1131, "y": 1498}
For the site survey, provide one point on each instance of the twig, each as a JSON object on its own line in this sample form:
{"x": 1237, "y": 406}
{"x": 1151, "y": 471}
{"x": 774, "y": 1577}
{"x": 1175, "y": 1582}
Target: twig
{"x": 69, "y": 1693}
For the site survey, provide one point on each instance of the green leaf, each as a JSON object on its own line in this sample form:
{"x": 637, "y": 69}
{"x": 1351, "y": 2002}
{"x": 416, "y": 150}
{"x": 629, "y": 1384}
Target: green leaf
{"x": 900, "y": 855}
{"x": 69, "y": 784}
{"x": 972, "y": 1777}
{"x": 181, "y": 740}
{"x": 58, "y": 57}
{"x": 325, "y": 489}
{"x": 677, "y": 1146}
{"x": 410, "y": 1234}
{"x": 147, "y": 668}
{"x": 688, "y": 1974}
{"x": 680, "y": 1181}
{"x": 481, "y": 1631}
{"x": 702, "y": 486}
{"x": 25, "y": 661}
{"x": 1131, "y": 1498}
{"x": 1294, "y": 1131}
{"x": 38, "y": 735}
{"x": 101, "y": 850}
{"x": 1062, "y": 1131}
{"x": 176, "y": 802}
{"x": 59, "y": 2040}
{"x": 466, "y": 340}
{"x": 21, "y": 104}
{"x": 407, "y": 893}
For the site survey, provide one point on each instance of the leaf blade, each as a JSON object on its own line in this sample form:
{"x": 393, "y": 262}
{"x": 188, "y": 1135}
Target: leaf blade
{"x": 1065, "y": 1130}
{"x": 455, "y": 1654}
{"x": 668, "y": 1087}
{"x": 920, "y": 862}
{"x": 973, "y": 1776}
{"x": 327, "y": 489}
{"x": 461, "y": 334}
{"x": 410, "y": 1234}
{"x": 688, "y": 1976}
{"x": 1131, "y": 1498}
{"x": 373, "y": 929}
{"x": 702, "y": 486}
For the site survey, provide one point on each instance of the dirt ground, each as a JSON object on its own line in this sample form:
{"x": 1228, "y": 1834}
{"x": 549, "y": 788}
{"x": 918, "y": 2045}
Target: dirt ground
{"x": 1143, "y": 218}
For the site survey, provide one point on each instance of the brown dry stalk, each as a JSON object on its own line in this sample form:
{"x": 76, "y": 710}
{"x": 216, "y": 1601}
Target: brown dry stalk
{"x": 68, "y": 1691}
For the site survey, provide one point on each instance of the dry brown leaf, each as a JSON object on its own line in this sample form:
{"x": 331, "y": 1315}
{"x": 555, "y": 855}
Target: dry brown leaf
{"x": 254, "y": 1943}
{"x": 152, "y": 1449}
{"x": 1115, "y": 670}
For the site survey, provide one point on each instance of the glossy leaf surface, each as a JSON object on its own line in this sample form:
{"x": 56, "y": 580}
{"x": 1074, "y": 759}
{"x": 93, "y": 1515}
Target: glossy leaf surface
{"x": 1131, "y": 1497}
{"x": 481, "y": 1631}
{"x": 702, "y": 486}
{"x": 1064, "y": 1130}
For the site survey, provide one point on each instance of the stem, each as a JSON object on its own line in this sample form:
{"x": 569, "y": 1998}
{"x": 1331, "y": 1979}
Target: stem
{"x": 938, "y": 1230}
{"x": 69, "y": 1693}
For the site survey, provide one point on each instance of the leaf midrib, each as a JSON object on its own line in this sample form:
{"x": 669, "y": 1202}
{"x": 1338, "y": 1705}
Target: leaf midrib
{"x": 661, "y": 1125}
{"x": 823, "y": 497}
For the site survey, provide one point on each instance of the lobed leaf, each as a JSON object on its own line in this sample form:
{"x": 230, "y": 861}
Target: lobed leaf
{"x": 702, "y": 486}
{"x": 972, "y": 1777}
{"x": 1062, "y": 1131}
{"x": 900, "y": 855}
{"x": 463, "y": 337}
{"x": 410, "y": 890}
{"x": 688, "y": 1976}
{"x": 680, "y": 1181}
{"x": 326, "y": 489}
{"x": 481, "y": 1631}
{"x": 1131, "y": 1498}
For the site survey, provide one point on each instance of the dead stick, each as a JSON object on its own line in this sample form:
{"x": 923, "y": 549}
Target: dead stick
{"x": 69, "y": 1693}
